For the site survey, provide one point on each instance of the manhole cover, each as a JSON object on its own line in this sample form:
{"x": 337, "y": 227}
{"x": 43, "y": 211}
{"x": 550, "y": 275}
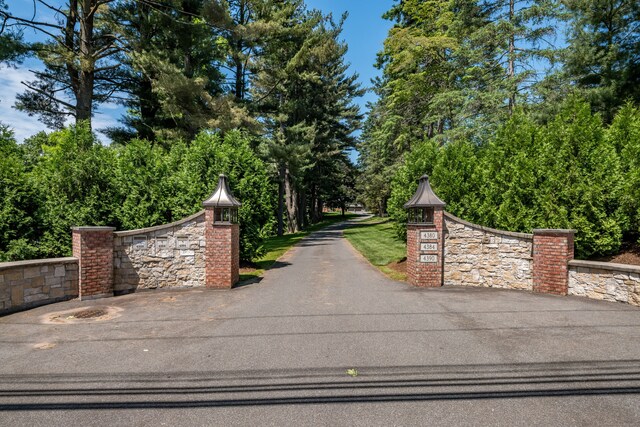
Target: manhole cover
{"x": 90, "y": 314}
{"x": 86, "y": 314}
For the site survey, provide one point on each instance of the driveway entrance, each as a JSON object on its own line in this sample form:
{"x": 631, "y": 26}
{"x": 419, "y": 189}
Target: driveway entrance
{"x": 324, "y": 339}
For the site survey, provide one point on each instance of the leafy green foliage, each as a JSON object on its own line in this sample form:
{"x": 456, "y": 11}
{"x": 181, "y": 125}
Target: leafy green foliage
{"x": 68, "y": 179}
{"x": 602, "y": 57}
{"x": 624, "y": 135}
{"x": 210, "y": 155}
{"x": 581, "y": 180}
{"x": 508, "y": 177}
{"x": 74, "y": 182}
{"x": 573, "y": 172}
{"x": 18, "y": 203}
{"x": 156, "y": 185}
{"x": 421, "y": 160}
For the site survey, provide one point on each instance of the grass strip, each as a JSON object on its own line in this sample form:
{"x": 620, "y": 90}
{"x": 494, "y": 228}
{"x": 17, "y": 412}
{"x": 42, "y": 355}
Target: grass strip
{"x": 377, "y": 241}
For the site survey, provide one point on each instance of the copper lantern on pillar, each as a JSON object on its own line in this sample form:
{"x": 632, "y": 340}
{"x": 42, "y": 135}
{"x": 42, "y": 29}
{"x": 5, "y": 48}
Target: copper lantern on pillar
{"x": 423, "y": 203}
{"x": 225, "y": 206}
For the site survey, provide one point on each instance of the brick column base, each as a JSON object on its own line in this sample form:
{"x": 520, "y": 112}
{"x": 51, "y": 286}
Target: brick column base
{"x": 552, "y": 251}
{"x": 425, "y": 262}
{"x": 222, "y": 253}
{"x": 93, "y": 246}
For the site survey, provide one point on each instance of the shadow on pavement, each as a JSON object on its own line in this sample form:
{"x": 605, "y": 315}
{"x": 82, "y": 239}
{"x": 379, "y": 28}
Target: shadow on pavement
{"x": 317, "y": 386}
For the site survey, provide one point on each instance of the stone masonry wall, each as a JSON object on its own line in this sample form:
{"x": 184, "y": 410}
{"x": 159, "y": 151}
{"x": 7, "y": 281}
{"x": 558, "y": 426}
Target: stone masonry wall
{"x": 605, "y": 281}
{"x": 481, "y": 256}
{"x": 171, "y": 255}
{"x": 27, "y": 284}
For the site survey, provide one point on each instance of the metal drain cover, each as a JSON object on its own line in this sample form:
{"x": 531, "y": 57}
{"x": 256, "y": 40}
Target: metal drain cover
{"x": 80, "y": 315}
{"x": 90, "y": 314}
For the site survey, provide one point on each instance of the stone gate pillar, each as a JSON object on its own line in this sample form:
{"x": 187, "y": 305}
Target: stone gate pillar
{"x": 93, "y": 246}
{"x": 425, "y": 237}
{"x": 222, "y": 237}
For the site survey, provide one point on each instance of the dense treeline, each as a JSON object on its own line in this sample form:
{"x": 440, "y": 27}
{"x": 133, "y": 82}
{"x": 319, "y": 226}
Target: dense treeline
{"x": 53, "y": 182}
{"x": 257, "y": 89}
{"x": 573, "y": 172}
{"x": 519, "y": 125}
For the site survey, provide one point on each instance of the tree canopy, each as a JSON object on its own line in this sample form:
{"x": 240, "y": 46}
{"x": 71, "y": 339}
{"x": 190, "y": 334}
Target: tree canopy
{"x": 524, "y": 113}
{"x": 257, "y": 89}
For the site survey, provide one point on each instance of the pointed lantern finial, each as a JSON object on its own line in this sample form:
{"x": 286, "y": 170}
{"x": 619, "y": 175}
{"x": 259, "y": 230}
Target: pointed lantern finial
{"x": 222, "y": 197}
{"x": 424, "y": 196}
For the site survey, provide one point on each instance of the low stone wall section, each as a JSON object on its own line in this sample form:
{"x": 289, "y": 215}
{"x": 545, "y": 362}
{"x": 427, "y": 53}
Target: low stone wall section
{"x": 171, "y": 255}
{"x": 480, "y": 256}
{"x": 28, "y": 284}
{"x": 605, "y": 281}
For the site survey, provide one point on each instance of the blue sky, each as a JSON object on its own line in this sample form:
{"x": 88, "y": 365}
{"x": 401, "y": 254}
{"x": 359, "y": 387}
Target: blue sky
{"x": 364, "y": 32}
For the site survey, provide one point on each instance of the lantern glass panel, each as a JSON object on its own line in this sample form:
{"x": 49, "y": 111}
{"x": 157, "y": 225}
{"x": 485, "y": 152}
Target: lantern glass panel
{"x": 428, "y": 215}
{"x": 421, "y": 215}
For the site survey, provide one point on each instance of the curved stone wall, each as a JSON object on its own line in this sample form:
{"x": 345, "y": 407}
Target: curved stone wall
{"x": 482, "y": 256}
{"x": 171, "y": 255}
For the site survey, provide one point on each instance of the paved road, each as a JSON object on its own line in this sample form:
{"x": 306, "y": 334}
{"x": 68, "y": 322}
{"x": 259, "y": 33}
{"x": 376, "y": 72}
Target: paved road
{"x": 276, "y": 353}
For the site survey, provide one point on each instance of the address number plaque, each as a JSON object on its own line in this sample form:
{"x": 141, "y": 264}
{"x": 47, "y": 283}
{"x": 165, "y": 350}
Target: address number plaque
{"x": 428, "y": 235}
{"x": 429, "y": 258}
{"x": 428, "y": 246}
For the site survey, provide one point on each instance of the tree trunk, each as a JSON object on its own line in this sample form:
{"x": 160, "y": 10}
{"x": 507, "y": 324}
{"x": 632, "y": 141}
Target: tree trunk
{"x": 291, "y": 203}
{"x": 147, "y": 100}
{"x": 302, "y": 210}
{"x": 318, "y": 209}
{"x": 282, "y": 176}
{"x": 511, "y": 71}
{"x": 84, "y": 95}
{"x": 69, "y": 43}
{"x": 313, "y": 204}
{"x": 237, "y": 58}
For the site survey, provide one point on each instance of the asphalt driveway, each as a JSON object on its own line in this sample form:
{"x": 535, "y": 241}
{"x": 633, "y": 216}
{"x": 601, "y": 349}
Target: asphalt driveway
{"x": 277, "y": 353}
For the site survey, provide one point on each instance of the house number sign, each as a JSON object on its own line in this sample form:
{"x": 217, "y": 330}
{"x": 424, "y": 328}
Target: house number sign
{"x": 429, "y": 258}
{"x": 428, "y": 235}
{"x": 428, "y": 246}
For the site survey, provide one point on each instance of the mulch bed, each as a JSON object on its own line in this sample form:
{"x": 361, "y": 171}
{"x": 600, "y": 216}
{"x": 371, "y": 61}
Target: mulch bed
{"x": 629, "y": 254}
{"x": 399, "y": 266}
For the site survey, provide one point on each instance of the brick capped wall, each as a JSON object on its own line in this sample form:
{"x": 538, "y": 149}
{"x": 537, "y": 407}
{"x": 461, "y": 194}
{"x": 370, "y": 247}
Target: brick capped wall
{"x": 222, "y": 253}
{"x": 93, "y": 246}
{"x": 552, "y": 251}
{"x": 425, "y": 274}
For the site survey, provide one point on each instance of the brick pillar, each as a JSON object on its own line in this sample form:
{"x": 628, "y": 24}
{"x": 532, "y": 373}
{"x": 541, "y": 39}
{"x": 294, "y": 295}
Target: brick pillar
{"x": 93, "y": 246}
{"x": 425, "y": 250}
{"x": 552, "y": 251}
{"x": 222, "y": 253}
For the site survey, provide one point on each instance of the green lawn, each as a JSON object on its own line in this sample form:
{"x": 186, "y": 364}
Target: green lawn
{"x": 276, "y": 246}
{"x": 376, "y": 240}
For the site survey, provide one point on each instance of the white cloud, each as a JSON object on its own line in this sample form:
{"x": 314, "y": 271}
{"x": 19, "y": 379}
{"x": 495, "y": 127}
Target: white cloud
{"x": 25, "y": 126}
